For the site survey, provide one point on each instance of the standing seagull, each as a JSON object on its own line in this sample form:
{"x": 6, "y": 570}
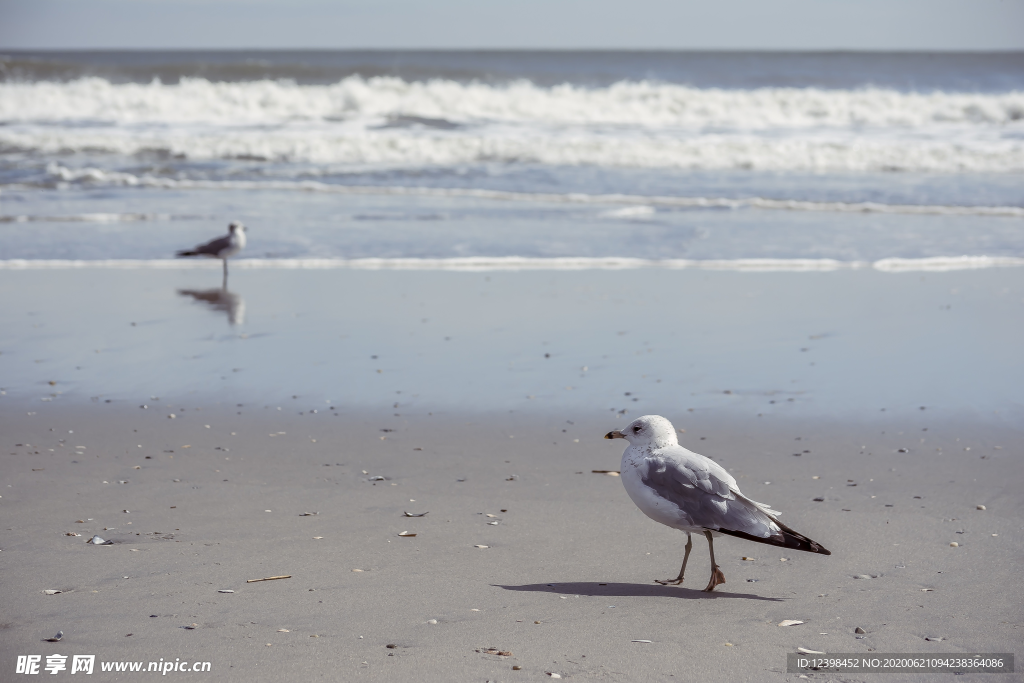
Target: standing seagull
{"x": 692, "y": 493}
{"x": 222, "y": 247}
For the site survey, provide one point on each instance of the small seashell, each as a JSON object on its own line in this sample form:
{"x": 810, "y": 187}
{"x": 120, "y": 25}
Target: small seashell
{"x": 415, "y": 514}
{"x": 490, "y": 515}
{"x": 517, "y": 668}
{"x": 790, "y": 622}
{"x": 492, "y": 523}
{"x": 481, "y": 546}
{"x": 783, "y": 559}
{"x": 71, "y": 533}
{"x": 317, "y": 538}
{"x": 729, "y": 645}
{"x": 748, "y": 559}
{"x": 51, "y": 591}
{"x": 553, "y": 674}
{"x": 862, "y": 576}
{"x": 981, "y": 507}
{"x": 859, "y": 630}
{"x": 225, "y": 590}
{"x": 357, "y": 570}
{"x": 406, "y": 534}
{"x": 934, "y": 639}
{"x": 56, "y": 638}
{"x": 432, "y": 621}
{"x": 283, "y": 630}
{"x": 805, "y": 651}
{"x": 927, "y": 590}
{"x": 641, "y": 641}
{"x": 377, "y": 477}
{"x": 954, "y": 544}
{"x": 96, "y": 540}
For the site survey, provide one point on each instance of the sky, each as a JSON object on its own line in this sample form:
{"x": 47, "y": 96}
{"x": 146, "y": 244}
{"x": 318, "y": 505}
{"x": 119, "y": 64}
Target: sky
{"x": 516, "y": 24}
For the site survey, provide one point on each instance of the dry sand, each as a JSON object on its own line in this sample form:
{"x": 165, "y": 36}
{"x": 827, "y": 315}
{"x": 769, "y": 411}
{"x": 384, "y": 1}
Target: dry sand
{"x": 565, "y": 582}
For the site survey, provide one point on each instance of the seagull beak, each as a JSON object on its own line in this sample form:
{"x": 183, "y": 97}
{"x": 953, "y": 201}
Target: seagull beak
{"x": 615, "y": 435}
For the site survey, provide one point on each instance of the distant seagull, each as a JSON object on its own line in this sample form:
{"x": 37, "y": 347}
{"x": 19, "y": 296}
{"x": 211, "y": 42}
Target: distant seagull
{"x": 222, "y": 247}
{"x": 692, "y": 493}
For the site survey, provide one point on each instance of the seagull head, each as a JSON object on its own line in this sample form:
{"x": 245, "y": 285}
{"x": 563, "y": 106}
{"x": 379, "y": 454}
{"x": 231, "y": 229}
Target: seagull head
{"x": 235, "y": 226}
{"x": 649, "y": 430}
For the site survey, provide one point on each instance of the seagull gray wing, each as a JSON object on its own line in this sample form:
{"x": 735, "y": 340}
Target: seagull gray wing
{"x": 705, "y": 493}
{"x": 708, "y": 497}
{"x": 214, "y": 247}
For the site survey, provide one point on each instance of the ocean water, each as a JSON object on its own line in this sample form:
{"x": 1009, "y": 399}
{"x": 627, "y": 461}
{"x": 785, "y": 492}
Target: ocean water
{"x": 514, "y": 160}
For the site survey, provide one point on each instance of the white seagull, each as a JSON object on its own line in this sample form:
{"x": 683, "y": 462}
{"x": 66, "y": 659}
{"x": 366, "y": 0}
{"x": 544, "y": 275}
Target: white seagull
{"x": 223, "y": 247}
{"x": 692, "y": 493}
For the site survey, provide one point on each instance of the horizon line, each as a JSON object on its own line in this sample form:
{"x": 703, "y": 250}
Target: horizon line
{"x": 788, "y": 50}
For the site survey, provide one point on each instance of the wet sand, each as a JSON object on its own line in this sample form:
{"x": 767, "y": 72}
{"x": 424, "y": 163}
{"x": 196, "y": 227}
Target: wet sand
{"x": 209, "y": 508}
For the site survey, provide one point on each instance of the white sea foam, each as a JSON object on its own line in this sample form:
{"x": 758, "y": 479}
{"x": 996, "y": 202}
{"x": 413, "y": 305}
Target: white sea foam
{"x": 92, "y": 218}
{"x": 626, "y": 103}
{"x": 516, "y": 263}
{"x": 636, "y": 206}
{"x": 388, "y": 122}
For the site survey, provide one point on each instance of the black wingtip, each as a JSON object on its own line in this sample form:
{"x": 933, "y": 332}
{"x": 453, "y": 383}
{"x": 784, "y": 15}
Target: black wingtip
{"x": 787, "y": 539}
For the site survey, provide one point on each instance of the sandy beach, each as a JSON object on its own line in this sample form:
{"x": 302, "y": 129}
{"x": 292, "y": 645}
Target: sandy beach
{"x": 565, "y": 582}
{"x": 260, "y": 473}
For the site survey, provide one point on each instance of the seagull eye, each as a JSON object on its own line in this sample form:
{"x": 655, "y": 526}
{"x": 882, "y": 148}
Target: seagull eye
{"x": 636, "y": 430}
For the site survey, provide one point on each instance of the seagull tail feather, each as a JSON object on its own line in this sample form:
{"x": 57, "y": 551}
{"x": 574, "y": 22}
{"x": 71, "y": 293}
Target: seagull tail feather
{"x": 786, "y": 539}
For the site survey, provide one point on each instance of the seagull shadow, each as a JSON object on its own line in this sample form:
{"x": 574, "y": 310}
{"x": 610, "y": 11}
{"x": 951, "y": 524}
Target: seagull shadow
{"x": 632, "y": 590}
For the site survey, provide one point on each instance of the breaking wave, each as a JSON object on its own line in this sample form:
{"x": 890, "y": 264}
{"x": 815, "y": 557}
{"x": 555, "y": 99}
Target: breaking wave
{"x": 387, "y": 122}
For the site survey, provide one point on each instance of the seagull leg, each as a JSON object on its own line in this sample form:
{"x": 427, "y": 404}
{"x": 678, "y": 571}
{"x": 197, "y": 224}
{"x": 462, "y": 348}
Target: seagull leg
{"x": 717, "y": 576}
{"x": 679, "y": 579}
{"x": 224, "y": 285}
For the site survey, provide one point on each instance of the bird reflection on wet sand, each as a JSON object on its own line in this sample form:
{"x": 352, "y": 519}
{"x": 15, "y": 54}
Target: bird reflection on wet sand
{"x": 220, "y": 300}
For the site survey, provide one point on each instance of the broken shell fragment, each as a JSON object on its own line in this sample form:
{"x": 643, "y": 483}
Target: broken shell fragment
{"x": 56, "y": 638}
{"x": 981, "y": 507}
{"x": 225, "y": 590}
{"x": 96, "y": 540}
{"x": 406, "y": 534}
{"x": 415, "y": 514}
{"x": 790, "y": 622}
{"x": 51, "y": 592}
{"x": 954, "y": 544}
{"x": 804, "y": 650}
{"x": 859, "y": 631}
{"x": 481, "y": 546}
